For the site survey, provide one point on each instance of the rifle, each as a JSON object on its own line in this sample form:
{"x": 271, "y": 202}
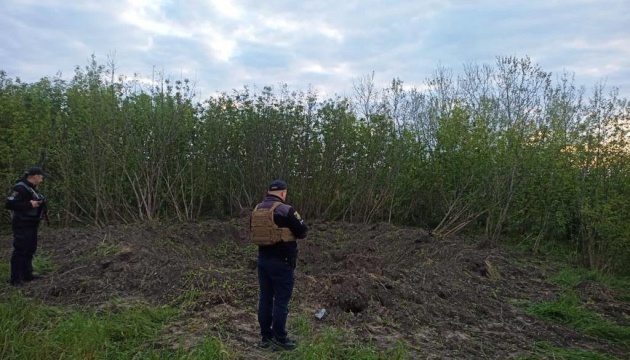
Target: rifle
{"x": 44, "y": 212}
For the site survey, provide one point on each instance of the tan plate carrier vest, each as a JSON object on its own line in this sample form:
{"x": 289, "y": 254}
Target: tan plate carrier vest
{"x": 264, "y": 231}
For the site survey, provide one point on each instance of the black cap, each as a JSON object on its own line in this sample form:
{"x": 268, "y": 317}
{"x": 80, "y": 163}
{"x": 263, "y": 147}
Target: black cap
{"x": 277, "y": 185}
{"x": 36, "y": 171}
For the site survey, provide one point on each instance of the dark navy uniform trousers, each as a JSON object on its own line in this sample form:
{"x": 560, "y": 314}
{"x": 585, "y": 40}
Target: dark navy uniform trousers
{"x": 24, "y": 247}
{"x": 276, "y": 279}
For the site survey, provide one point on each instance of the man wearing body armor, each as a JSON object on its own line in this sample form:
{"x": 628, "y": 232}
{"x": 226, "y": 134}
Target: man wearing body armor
{"x": 28, "y": 207}
{"x": 275, "y": 227}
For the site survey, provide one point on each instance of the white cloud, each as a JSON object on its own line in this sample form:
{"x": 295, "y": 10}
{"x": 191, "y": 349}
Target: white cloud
{"x": 325, "y": 44}
{"x": 148, "y": 16}
{"x": 228, "y": 8}
{"x": 220, "y": 46}
{"x": 616, "y": 45}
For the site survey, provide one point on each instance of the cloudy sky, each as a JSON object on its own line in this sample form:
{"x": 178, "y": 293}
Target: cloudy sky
{"x": 225, "y": 44}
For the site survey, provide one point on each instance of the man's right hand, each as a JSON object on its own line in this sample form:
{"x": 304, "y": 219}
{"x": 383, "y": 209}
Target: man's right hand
{"x": 35, "y": 204}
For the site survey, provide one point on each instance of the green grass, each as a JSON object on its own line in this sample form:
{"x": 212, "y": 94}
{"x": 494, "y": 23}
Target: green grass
{"x": 104, "y": 249}
{"x": 568, "y": 309}
{"x": 331, "y": 343}
{"x": 547, "y": 351}
{"x": 187, "y": 299}
{"x": 31, "y": 330}
{"x": 43, "y": 264}
{"x": 209, "y": 348}
{"x": 133, "y": 330}
{"x": 568, "y": 278}
{"x": 5, "y": 270}
{"x": 228, "y": 248}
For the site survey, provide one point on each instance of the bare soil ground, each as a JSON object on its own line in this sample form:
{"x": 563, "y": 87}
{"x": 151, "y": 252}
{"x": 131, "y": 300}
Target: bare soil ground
{"x": 383, "y": 285}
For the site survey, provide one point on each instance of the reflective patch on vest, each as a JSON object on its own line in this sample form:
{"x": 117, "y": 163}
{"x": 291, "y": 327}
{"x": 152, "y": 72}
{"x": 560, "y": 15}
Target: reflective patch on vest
{"x": 297, "y": 216}
{"x": 13, "y": 196}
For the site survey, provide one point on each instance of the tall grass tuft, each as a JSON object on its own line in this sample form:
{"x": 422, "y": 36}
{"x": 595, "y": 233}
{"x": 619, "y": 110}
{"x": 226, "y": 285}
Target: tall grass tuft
{"x": 42, "y": 263}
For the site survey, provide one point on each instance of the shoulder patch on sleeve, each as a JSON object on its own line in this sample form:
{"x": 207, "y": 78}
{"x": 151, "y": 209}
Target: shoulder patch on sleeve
{"x": 13, "y": 196}
{"x": 297, "y": 216}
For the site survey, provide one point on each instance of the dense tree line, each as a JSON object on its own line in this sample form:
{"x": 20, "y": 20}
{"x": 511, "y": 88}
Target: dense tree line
{"x": 506, "y": 150}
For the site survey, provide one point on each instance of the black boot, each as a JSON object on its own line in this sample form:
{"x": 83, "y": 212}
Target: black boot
{"x": 265, "y": 343}
{"x": 32, "y": 278}
{"x": 285, "y": 344}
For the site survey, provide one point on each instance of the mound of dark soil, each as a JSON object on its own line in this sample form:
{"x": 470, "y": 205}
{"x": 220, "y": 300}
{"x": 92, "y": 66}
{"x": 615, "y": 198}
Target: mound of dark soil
{"x": 379, "y": 283}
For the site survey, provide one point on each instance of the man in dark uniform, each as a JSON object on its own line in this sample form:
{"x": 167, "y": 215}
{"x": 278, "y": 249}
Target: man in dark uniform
{"x": 28, "y": 207}
{"x": 275, "y": 226}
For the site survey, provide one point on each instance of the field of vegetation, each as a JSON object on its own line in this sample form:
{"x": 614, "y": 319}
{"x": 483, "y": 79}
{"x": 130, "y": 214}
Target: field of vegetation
{"x": 484, "y": 215}
{"x": 189, "y": 291}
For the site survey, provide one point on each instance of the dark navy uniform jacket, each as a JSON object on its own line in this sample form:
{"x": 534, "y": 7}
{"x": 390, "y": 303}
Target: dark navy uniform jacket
{"x": 284, "y": 216}
{"x": 19, "y": 201}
